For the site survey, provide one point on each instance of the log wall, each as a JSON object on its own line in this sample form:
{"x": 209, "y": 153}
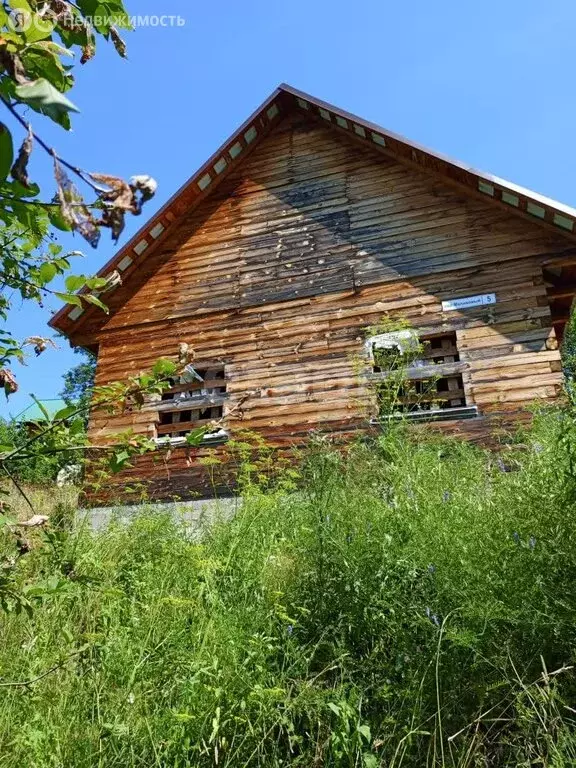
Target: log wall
{"x": 279, "y": 272}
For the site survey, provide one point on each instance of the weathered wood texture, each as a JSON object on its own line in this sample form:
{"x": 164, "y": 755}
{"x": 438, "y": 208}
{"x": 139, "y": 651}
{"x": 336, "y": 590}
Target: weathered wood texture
{"x": 279, "y": 272}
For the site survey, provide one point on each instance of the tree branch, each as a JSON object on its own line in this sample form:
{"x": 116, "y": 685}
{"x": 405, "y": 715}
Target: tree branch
{"x": 46, "y": 205}
{"x": 26, "y": 683}
{"x": 18, "y": 486}
{"x": 52, "y": 152}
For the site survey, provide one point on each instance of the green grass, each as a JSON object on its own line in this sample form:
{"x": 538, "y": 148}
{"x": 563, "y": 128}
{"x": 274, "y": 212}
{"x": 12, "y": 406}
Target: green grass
{"x": 409, "y": 605}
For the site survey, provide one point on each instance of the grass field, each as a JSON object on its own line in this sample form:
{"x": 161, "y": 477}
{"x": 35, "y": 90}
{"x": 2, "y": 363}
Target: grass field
{"x": 409, "y": 604}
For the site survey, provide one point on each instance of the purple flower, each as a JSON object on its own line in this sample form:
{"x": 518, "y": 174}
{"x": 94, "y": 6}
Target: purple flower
{"x": 502, "y": 466}
{"x": 516, "y": 537}
{"x": 538, "y": 448}
{"x": 446, "y": 496}
{"x": 532, "y": 542}
{"x": 290, "y": 629}
{"x": 431, "y": 568}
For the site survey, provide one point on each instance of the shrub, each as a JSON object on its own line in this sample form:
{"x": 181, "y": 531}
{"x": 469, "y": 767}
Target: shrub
{"x": 37, "y": 471}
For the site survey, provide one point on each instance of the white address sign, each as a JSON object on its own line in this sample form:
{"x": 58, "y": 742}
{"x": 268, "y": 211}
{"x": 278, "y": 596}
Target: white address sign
{"x": 469, "y": 301}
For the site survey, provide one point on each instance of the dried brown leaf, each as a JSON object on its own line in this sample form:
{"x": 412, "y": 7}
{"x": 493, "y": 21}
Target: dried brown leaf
{"x": 63, "y": 14}
{"x": 40, "y": 344}
{"x": 88, "y": 52}
{"x": 119, "y": 44}
{"x": 119, "y": 191}
{"x": 12, "y": 63}
{"x": 33, "y": 522}
{"x": 20, "y": 168}
{"x": 73, "y": 208}
{"x": 114, "y": 218}
{"x": 8, "y": 381}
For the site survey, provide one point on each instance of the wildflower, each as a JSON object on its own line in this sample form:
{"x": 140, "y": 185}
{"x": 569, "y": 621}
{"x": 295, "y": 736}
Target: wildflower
{"x": 502, "y": 466}
{"x": 532, "y": 542}
{"x": 446, "y": 496}
{"x": 538, "y": 448}
{"x": 131, "y": 698}
{"x": 349, "y": 538}
{"x": 516, "y": 537}
{"x": 431, "y": 568}
{"x": 290, "y": 629}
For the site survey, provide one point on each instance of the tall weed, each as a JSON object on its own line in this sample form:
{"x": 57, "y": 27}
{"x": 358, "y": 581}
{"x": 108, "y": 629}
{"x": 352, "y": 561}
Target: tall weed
{"x": 408, "y": 604}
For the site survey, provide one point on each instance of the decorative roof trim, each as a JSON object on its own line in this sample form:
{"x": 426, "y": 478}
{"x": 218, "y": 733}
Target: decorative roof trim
{"x": 285, "y": 99}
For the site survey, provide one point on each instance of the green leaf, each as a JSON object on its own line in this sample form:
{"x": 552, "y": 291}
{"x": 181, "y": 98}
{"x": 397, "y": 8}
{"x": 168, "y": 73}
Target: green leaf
{"x": 122, "y": 20}
{"x": 57, "y": 220}
{"x": 91, "y": 299}
{"x": 364, "y": 730}
{"x": 15, "y": 189}
{"x": 70, "y": 298}
{"x": 65, "y": 413}
{"x": 75, "y": 282}
{"x": 44, "y": 98}
{"x": 196, "y": 436}
{"x": 44, "y": 411}
{"x": 88, "y": 7}
{"x": 163, "y": 367}
{"x": 103, "y": 15}
{"x": 40, "y": 28}
{"x": 47, "y": 272}
{"x": 43, "y": 63}
{"x": 95, "y": 283}
{"x": 20, "y": 5}
{"x": 6, "y": 151}
{"x": 334, "y": 707}
{"x": 119, "y": 460}
{"x": 52, "y": 47}
{"x": 77, "y": 427}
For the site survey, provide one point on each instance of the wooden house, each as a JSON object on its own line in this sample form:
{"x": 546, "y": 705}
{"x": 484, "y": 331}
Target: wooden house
{"x": 307, "y": 226}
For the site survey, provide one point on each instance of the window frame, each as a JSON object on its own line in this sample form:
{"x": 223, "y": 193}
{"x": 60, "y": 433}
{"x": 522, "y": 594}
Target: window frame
{"x": 207, "y": 379}
{"x": 410, "y": 340}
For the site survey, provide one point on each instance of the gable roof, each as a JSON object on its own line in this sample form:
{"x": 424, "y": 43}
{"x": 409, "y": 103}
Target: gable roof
{"x": 517, "y": 200}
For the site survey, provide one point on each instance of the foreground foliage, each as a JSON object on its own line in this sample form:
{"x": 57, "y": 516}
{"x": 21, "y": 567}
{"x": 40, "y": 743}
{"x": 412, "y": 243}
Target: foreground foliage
{"x": 411, "y": 604}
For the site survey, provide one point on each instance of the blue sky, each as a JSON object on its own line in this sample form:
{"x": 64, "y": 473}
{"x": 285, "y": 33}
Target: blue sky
{"x": 487, "y": 83}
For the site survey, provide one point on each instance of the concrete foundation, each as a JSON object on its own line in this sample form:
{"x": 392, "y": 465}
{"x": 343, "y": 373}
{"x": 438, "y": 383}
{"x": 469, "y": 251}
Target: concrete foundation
{"x": 193, "y": 515}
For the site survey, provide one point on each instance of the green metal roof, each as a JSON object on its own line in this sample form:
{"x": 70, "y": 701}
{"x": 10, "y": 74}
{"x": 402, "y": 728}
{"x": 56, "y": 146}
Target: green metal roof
{"x": 34, "y": 413}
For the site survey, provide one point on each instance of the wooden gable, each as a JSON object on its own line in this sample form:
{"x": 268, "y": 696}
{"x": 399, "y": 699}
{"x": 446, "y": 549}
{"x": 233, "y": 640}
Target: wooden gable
{"x": 311, "y": 213}
{"x": 315, "y": 128}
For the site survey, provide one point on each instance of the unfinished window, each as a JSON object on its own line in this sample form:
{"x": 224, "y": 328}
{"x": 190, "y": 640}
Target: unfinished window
{"x": 195, "y": 400}
{"x": 418, "y": 377}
